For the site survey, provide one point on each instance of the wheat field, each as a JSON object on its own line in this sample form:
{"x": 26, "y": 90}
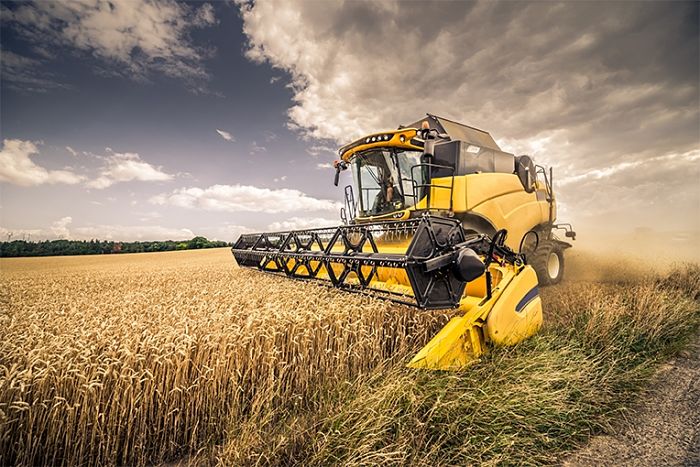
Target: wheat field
{"x": 144, "y": 358}
{"x": 159, "y": 357}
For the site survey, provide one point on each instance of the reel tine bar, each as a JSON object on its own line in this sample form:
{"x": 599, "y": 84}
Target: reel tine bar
{"x": 350, "y": 250}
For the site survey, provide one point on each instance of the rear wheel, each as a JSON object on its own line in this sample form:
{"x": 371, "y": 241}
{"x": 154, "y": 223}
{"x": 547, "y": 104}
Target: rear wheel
{"x": 548, "y": 262}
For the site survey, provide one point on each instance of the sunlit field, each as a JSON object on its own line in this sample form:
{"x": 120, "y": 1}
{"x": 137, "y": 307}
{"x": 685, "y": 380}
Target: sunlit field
{"x": 160, "y": 357}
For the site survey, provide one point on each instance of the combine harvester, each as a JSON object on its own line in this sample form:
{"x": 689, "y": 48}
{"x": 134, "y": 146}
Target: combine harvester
{"x": 438, "y": 217}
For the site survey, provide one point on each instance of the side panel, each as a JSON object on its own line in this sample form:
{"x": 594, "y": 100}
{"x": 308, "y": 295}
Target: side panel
{"x": 501, "y": 199}
{"x": 518, "y": 312}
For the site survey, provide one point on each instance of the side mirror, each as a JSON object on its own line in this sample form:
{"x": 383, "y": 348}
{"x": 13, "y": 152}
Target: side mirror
{"x": 428, "y": 148}
{"x": 339, "y": 166}
{"x": 428, "y": 141}
{"x": 337, "y": 176}
{"x": 526, "y": 172}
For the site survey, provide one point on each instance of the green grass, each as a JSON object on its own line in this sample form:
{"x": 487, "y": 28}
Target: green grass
{"x": 525, "y": 405}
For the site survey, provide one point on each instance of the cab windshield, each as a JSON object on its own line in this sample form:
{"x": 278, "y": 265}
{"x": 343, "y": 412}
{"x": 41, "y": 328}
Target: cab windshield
{"x": 384, "y": 181}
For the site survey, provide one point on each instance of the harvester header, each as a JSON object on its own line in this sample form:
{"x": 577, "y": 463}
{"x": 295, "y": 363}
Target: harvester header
{"x": 428, "y": 263}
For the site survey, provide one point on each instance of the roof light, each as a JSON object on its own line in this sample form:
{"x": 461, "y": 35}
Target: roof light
{"x": 367, "y": 140}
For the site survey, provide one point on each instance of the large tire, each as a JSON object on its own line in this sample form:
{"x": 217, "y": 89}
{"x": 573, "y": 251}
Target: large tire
{"x": 548, "y": 263}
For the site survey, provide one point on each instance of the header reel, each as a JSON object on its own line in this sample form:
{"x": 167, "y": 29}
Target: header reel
{"x": 432, "y": 253}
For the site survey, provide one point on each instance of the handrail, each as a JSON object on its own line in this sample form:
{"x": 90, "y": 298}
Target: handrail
{"x": 548, "y": 188}
{"x": 547, "y": 182}
{"x": 431, "y": 185}
{"x": 350, "y": 202}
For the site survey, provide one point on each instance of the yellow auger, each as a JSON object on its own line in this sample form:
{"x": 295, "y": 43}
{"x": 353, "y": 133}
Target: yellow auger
{"x": 428, "y": 262}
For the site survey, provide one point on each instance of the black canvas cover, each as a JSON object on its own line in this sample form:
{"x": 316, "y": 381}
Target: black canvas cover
{"x": 457, "y": 131}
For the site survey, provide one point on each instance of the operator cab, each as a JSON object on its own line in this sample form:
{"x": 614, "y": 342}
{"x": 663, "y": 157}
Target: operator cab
{"x": 383, "y": 180}
{"x": 402, "y": 173}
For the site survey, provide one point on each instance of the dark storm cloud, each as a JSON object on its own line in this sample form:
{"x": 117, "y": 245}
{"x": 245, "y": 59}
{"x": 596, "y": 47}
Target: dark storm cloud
{"x": 133, "y": 38}
{"x": 27, "y": 73}
{"x": 590, "y": 88}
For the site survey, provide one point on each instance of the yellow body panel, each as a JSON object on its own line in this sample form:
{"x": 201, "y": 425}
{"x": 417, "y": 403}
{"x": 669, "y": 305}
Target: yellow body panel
{"x": 516, "y": 316}
{"x": 502, "y": 200}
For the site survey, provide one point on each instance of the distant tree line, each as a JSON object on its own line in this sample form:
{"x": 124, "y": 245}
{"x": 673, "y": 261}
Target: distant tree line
{"x": 97, "y": 247}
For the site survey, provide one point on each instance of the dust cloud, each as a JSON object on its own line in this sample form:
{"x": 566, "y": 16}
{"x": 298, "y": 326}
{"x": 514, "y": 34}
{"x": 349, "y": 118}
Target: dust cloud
{"x": 603, "y": 256}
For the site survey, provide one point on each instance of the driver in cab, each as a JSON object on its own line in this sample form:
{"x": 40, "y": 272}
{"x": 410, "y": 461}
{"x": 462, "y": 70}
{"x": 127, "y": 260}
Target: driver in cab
{"x": 388, "y": 199}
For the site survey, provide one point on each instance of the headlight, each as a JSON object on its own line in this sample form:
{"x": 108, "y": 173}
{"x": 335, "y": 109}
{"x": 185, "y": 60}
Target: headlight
{"x": 402, "y": 138}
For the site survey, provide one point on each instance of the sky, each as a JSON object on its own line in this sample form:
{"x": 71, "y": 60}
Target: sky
{"x": 154, "y": 120}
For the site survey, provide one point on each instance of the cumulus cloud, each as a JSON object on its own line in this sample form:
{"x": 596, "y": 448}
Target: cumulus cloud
{"x": 57, "y": 230}
{"x": 16, "y": 166}
{"x": 63, "y": 229}
{"x": 244, "y": 198}
{"x": 136, "y": 37}
{"x": 228, "y": 232}
{"x": 131, "y": 233}
{"x": 60, "y": 227}
{"x": 226, "y": 135}
{"x": 583, "y": 88}
{"x": 204, "y": 16}
{"x": 301, "y": 223}
{"x": 125, "y": 168}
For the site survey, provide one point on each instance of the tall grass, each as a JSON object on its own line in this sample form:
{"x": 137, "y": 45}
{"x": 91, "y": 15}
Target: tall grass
{"x": 150, "y": 358}
{"x": 523, "y": 405}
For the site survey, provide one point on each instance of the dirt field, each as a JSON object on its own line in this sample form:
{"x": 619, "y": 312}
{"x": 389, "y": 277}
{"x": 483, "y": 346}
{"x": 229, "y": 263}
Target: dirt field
{"x": 663, "y": 427}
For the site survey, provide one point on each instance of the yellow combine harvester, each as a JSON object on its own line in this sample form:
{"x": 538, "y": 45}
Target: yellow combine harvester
{"x": 442, "y": 219}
